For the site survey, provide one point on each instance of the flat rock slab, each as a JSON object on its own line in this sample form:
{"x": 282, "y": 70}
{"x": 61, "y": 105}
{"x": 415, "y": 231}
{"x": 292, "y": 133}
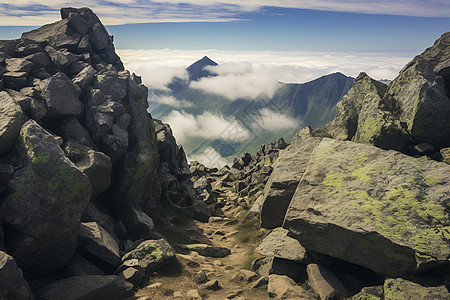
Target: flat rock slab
{"x": 379, "y": 209}
{"x": 97, "y": 241}
{"x": 279, "y": 244}
{"x": 209, "y": 251}
{"x": 88, "y": 287}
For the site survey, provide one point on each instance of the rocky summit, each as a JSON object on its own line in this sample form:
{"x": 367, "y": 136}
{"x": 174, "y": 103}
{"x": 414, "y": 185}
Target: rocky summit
{"x": 98, "y": 201}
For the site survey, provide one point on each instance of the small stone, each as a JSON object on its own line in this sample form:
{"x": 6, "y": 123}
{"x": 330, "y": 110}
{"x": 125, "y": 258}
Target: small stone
{"x": 218, "y": 263}
{"x": 155, "y": 285}
{"x": 260, "y": 283}
{"x": 325, "y": 283}
{"x": 177, "y": 294}
{"x": 200, "y": 277}
{"x": 212, "y": 285}
{"x": 193, "y": 295}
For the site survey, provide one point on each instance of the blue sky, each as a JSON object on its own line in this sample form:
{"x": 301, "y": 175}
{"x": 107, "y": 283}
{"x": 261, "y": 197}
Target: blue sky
{"x": 320, "y": 25}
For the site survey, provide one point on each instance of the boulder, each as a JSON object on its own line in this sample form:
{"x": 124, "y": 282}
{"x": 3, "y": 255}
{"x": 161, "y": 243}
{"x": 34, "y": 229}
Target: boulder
{"x": 71, "y": 128}
{"x": 61, "y": 96}
{"x": 138, "y": 223}
{"x": 18, "y": 65}
{"x": 324, "y": 283}
{"x": 133, "y": 275}
{"x": 88, "y": 287}
{"x": 85, "y": 77}
{"x": 95, "y": 240}
{"x": 403, "y": 289}
{"x": 97, "y": 166}
{"x": 212, "y": 285}
{"x": 112, "y": 84}
{"x": 279, "y": 244}
{"x": 12, "y": 284}
{"x": 283, "y": 287}
{"x": 273, "y": 265}
{"x": 42, "y": 210}
{"x": 282, "y": 183}
{"x": 15, "y": 80}
{"x": 379, "y": 209}
{"x": 11, "y": 120}
{"x": 150, "y": 255}
{"x": 79, "y": 266}
{"x": 96, "y": 213}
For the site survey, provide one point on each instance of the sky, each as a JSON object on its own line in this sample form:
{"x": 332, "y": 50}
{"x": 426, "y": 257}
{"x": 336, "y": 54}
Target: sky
{"x": 257, "y": 43}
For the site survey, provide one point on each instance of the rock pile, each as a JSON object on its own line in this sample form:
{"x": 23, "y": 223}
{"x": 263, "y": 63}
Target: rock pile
{"x": 79, "y": 166}
{"x": 238, "y": 188}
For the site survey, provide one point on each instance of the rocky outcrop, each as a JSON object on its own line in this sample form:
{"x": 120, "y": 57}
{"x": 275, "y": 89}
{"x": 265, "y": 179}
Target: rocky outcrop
{"x": 379, "y": 209}
{"x": 413, "y": 109}
{"x": 79, "y": 161}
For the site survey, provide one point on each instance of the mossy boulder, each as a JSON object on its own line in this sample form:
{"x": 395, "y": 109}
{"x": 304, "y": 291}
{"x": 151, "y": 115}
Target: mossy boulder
{"x": 42, "y": 208}
{"x": 360, "y": 117}
{"x": 413, "y": 109}
{"x": 149, "y": 256}
{"x": 403, "y": 289}
{"x": 379, "y": 209}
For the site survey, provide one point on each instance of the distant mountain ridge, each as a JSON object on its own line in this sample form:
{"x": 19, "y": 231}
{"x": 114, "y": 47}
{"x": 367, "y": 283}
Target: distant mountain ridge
{"x": 312, "y": 103}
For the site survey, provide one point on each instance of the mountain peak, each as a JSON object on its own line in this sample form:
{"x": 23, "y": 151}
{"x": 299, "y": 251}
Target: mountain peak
{"x": 197, "y": 70}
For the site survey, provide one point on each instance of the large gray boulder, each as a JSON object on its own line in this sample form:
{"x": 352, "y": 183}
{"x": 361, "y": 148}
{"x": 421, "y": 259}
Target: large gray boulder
{"x": 11, "y": 120}
{"x": 43, "y": 207}
{"x": 324, "y": 283}
{"x": 89, "y": 287}
{"x": 61, "y": 96}
{"x": 287, "y": 173}
{"x": 379, "y": 209}
{"x": 12, "y": 284}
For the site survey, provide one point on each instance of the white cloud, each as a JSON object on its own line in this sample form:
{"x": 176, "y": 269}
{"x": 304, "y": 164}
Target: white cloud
{"x": 168, "y": 100}
{"x": 207, "y": 125}
{"x": 154, "y": 75}
{"x": 114, "y": 12}
{"x": 241, "y": 85}
{"x": 269, "y": 120}
{"x": 285, "y": 66}
{"x": 210, "y": 158}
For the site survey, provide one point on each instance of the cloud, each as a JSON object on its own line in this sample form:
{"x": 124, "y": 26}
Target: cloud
{"x": 237, "y": 81}
{"x": 207, "y": 126}
{"x": 210, "y": 158}
{"x": 168, "y": 100}
{"x": 269, "y": 120}
{"x": 284, "y": 66}
{"x": 115, "y": 12}
{"x": 155, "y": 75}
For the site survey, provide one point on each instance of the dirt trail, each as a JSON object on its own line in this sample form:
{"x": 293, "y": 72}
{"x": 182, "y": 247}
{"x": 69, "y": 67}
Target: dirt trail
{"x": 219, "y": 232}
